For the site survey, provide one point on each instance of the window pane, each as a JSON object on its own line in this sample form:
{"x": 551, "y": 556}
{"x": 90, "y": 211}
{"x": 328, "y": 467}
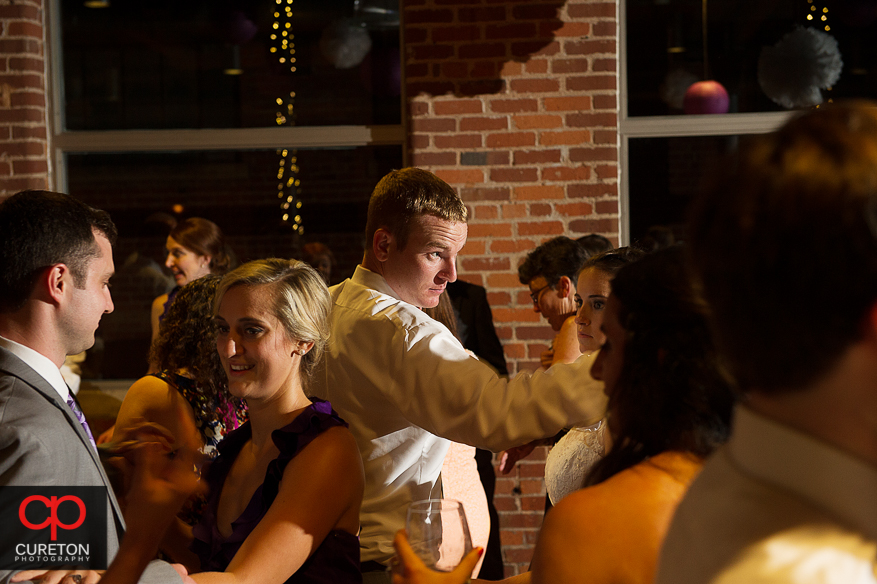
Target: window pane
{"x": 665, "y": 52}
{"x": 236, "y": 190}
{"x": 166, "y": 64}
{"x": 665, "y": 174}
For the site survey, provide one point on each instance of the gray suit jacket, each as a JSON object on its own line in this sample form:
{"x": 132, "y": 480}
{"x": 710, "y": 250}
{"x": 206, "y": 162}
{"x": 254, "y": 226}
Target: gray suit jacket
{"x": 42, "y": 444}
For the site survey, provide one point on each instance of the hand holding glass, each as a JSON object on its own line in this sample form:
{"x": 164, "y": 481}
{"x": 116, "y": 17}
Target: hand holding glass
{"x": 439, "y": 533}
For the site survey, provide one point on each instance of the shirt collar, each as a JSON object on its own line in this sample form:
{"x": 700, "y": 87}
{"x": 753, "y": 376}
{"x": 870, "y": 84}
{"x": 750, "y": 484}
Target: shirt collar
{"x": 42, "y": 365}
{"x": 827, "y": 476}
{"x": 365, "y": 277}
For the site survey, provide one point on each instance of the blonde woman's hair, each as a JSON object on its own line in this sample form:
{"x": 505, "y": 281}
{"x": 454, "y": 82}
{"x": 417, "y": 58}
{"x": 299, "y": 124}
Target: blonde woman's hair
{"x": 301, "y": 301}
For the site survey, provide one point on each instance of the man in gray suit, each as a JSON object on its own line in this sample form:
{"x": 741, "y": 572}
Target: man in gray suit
{"x": 56, "y": 260}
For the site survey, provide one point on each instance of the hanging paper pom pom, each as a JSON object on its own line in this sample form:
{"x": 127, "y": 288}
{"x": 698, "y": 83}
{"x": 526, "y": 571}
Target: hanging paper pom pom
{"x": 345, "y": 43}
{"x": 793, "y": 71}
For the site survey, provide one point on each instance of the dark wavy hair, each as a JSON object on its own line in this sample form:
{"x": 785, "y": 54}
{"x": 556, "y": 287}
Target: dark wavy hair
{"x": 187, "y": 341}
{"x": 672, "y": 392}
{"x": 205, "y": 238}
{"x": 557, "y": 257}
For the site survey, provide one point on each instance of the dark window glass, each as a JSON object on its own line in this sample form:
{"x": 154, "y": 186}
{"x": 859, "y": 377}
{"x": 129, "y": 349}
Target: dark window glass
{"x": 665, "y": 174}
{"x": 236, "y": 190}
{"x": 665, "y": 52}
{"x": 166, "y": 64}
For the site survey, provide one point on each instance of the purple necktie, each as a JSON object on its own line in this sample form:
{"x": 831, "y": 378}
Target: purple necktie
{"x": 81, "y": 417}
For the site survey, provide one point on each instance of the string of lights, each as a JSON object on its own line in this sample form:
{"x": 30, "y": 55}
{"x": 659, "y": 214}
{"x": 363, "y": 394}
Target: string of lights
{"x": 815, "y": 13}
{"x": 288, "y": 183}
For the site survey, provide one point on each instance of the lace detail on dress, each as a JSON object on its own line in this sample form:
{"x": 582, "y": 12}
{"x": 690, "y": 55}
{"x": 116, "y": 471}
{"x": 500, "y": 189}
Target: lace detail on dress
{"x": 570, "y": 460}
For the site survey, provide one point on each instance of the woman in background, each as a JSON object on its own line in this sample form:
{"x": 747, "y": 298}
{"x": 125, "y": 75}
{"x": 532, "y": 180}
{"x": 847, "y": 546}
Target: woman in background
{"x": 195, "y": 247}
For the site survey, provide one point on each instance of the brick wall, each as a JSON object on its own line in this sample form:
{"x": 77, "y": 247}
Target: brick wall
{"x": 514, "y": 104}
{"x": 23, "y": 159}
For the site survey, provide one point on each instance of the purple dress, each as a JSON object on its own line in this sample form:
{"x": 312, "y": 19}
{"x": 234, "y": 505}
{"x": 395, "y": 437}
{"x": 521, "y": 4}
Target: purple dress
{"x": 336, "y": 559}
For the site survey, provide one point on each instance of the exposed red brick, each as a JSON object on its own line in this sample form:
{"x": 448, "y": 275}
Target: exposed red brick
{"x": 605, "y": 102}
{"x": 514, "y": 314}
{"x": 418, "y": 140}
{"x": 456, "y": 33}
{"x": 21, "y": 114}
{"x": 590, "y": 82}
{"x": 498, "y": 157}
{"x": 593, "y": 154}
{"x": 501, "y": 280}
{"x": 492, "y": 14}
{"x": 418, "y": 108}
{"x": 594, "y": 225}
{"x": 482, "y": 69}
{"x": 29, "y": 64}
{"x": 455, "y": 70}
{"x": 458, "y": 141}
{"x": 591, "y": 119}
{"x": 481, "y": 123}
{"x": 606, "y": 207}
{"x": 434, "y": 124}
{"x": 539, "y": 192}
{"x": 564, "y": 173}
{"x": 542, "y": 48}
{"x": 574, "y": 209}
{"x": 564, "y": 137}
{"x": 572, "y": 103}
{"x": 514, "y": 210}
{"x": 535, "y": 12}
{"x": 518, "y": 30}
{"x": 429, "y": 52}
{"x": 16, "y": 184}
{"x": 5, "y": 170}
{"x": 485, "y": 212}
{"x": 464, "y": 176}
{"x": 537, "y": 122}
{"x": 534, "y": 332}
{"x": 433, "y": 88}
{"x": 514, "y": 174}
{"x": 534, "y": 85}
{"x": 30, "y": 166}
{"x": 429, "y": 16}
{"x": 20, "y": 47}
{"x": 498, "y": 298}
{"x": 589, "y": 47}
{"x": 605, "y": 29}
{"x": 457, "y": 106}
{"x": 509, "y": 537}
{"x": 475, "y": 248}
{"x": 490, "y": 230}
{"x": 434, "y": 158}
{"x": 592, "y": 9}
{"x": 514, "y": 105}
{"x": 510, "y": 245}
{"x": 536, "y": 66}
{"x": 596, "y": 190}
{"x": 21, "y": 11}
{"x": 540, "y": 209}
{"x": 511, "y": 140}
{"x": 486, "y": 194}
{"x": 492, "y": 264}
{"x": 521, "y": 555}
{"x": 415, "y": 34}
{"x": 21, "y": 148}
{"x": 607, "y": 171}
{"x": 28, "y": 98}
{"x": 482, "y": 51}
{"x": 21, "y": 28}
{"x": 573, "y": 29}
{"x": 605, "y": 137}
{"x": 536, "y": 156}
{"x": 416, "y": 70}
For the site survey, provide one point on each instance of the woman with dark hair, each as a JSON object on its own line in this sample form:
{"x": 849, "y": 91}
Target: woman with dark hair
{"x": 195, "y": 247}
{"x": 669, "y": 407}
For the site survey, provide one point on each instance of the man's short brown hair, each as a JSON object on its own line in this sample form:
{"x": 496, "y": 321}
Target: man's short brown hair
{"x": 784, "y": 246}
{"x": 403, "y": 195}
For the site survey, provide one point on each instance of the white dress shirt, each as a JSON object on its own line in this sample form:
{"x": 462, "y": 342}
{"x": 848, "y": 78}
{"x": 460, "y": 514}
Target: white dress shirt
{"x": 775, "y": 505}
{"x": 406, "y": 386}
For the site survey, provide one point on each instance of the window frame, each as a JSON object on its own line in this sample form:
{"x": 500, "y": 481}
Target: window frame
{"x": 670, "y": 126}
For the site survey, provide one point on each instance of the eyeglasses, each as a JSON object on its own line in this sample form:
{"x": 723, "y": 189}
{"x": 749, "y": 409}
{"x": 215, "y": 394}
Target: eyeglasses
{"x": 538, "y": 294}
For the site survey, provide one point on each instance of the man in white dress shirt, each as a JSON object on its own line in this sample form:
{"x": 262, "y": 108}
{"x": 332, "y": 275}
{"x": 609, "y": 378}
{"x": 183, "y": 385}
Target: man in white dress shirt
{"x": 56, "y": 260}
{"x": 404, "y": 383}
{"x": 785, "y": 248}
